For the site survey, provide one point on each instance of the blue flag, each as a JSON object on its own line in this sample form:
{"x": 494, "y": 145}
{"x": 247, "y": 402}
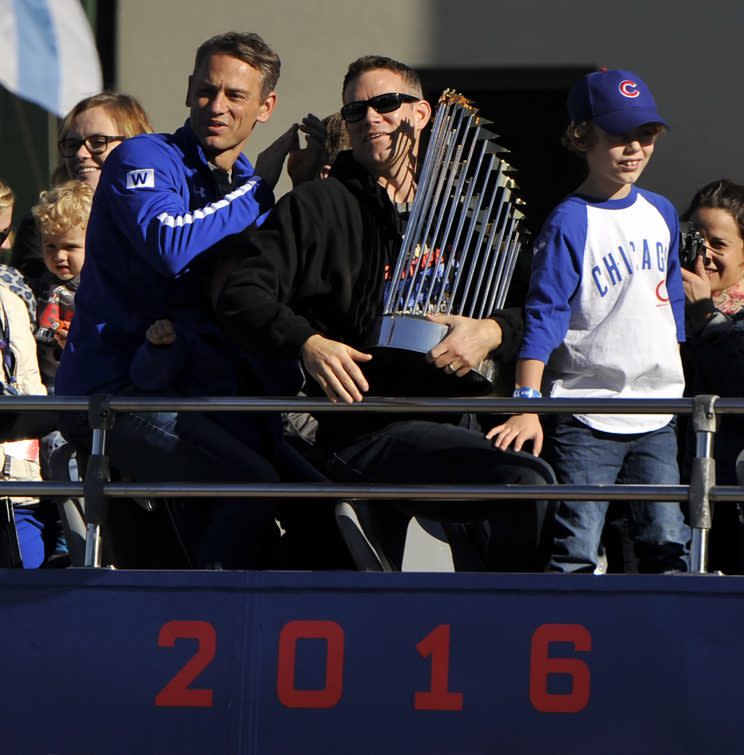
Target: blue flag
{"x": 49, "y": 54}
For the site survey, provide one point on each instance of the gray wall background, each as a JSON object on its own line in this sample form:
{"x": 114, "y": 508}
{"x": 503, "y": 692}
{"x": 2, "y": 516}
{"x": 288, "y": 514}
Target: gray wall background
{"x": 688, "y": 52}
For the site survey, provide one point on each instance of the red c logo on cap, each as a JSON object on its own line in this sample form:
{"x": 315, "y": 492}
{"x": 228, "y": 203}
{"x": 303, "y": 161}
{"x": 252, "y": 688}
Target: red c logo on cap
{"x": 628, "y": 88}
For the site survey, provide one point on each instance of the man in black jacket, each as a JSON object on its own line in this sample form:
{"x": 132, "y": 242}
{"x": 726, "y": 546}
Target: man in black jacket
{"x": 310, "y": 283}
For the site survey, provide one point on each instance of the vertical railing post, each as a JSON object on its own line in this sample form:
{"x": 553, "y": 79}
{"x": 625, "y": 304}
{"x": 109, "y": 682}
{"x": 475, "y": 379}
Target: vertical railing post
{"x": 702, "y": 479}
{"x": 100, "y": 419}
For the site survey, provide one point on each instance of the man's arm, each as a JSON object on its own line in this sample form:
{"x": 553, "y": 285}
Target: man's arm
{"x": 295, "y": 260}
{"x": 143, "y": 183}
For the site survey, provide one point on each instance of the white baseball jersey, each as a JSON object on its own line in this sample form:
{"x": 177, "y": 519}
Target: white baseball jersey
{"x": 605, "y": 309}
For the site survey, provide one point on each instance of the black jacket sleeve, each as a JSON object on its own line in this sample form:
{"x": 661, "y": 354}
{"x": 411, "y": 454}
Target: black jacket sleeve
{"x": 511, "y": 322}
{"x": 270, "y": 284}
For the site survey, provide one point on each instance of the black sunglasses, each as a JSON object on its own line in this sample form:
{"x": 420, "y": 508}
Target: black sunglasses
{"x": 4, "y": 234}
{"x": 383, "y": 103}
{"x": 95, "y": 144}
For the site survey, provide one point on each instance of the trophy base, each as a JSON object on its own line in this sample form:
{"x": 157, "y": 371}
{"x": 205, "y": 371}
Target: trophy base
{"x": 401, "y": 342}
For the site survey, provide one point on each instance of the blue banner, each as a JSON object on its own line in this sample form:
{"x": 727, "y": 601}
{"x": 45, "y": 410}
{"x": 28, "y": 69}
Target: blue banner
{"x": 98, "y": 661}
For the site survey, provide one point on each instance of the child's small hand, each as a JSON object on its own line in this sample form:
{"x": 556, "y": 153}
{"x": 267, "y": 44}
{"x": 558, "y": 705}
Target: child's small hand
{"x": 161, "y": 333}
{"x": 60, "y": 333}
{"x": 518, "y": 429}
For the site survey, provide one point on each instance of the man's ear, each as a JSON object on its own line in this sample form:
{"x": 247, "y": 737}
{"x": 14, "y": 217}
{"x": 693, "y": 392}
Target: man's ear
{"x": 267, "y": 108}
{"x": 188, "y": 92}
{"x": 422, "y": 113}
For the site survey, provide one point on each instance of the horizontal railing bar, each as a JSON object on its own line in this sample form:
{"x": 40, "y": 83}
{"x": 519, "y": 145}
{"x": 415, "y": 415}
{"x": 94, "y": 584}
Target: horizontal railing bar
{"x": 412, "y": 405}
{"x": 729, "y": 406}
{"x": 726, "y": 493}
{"x": 378, "y": 404}
{"x": 457, "y": 405}
{"x": 36, "y": 489}
{"x": 44, "y": 403}
{"x": 405, "y": 492}
{"x": 13, "y": 489}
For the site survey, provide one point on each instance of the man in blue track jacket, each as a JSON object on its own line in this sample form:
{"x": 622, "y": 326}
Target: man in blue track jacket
{"x": 163, "y": 200}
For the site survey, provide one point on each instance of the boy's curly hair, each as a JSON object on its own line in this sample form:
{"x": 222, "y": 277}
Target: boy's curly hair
{"x": 579, "y": 134}
{"x": 64, "y": 207}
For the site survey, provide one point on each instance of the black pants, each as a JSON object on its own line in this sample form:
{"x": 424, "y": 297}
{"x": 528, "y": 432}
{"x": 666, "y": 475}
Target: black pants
{"x": 223, "y": 533}
{"x": 426, "y": 452}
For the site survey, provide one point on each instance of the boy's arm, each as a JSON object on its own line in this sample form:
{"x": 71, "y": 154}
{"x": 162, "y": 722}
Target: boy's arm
{"x": 522, "y": 428}
{"x": 555, "y": 278}
{"x": 674, "y": 285}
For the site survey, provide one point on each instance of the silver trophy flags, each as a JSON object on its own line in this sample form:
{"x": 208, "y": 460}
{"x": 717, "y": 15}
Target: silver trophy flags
{"x": 461, "y": 242}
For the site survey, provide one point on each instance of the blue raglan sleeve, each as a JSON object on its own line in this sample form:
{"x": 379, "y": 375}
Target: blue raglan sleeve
{"x": 143, "y": 182}
{"x": 555, "y": 278}
{"x": 675, "y": 290}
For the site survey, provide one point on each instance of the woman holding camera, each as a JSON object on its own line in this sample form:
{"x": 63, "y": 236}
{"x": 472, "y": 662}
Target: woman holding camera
{"x": 714, "y": 353}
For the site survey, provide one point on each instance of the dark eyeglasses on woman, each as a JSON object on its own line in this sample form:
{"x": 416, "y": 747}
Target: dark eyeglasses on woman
{"x": 95, "y": 144}
{"x": 383, "y": 103}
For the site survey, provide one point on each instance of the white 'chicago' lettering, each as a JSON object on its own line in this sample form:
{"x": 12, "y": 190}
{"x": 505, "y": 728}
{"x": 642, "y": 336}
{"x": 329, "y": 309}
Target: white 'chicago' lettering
{"x": 636, "y": 257}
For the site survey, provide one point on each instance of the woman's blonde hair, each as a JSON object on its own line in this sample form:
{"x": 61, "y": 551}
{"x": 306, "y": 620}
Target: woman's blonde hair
{"x": 7, "y": 198}
{"x": 126, "y": 112}
{"x": 65, "y": 207}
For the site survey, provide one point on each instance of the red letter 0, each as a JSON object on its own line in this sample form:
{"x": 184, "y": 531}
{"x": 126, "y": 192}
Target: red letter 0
{"x": 177, "y": 693}
{"x": 542, "y": 666}
{"x": 437, "y": 645}
{"x": 288, "y": 694}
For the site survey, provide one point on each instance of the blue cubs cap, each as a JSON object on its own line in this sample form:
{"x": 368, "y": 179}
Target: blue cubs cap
{"x": 617, "y": 101}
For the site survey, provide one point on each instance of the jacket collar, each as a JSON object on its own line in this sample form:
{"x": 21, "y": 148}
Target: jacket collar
{"x": 242, "y": 168}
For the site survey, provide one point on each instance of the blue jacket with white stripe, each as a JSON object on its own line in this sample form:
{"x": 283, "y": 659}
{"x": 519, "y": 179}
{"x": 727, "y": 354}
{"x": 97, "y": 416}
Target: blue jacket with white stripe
{"x": 155, "y": 213}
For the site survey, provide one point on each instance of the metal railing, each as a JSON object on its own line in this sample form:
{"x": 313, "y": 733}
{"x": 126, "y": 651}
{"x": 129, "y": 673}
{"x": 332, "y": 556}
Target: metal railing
{"x": 102, "y": 409}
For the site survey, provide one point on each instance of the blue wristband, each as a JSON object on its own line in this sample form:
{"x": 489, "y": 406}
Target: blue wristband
{"x": 526, "y": 392}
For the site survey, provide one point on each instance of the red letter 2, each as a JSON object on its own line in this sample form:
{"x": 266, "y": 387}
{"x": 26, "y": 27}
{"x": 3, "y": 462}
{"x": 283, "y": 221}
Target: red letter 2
{"x": 177, "y": 693}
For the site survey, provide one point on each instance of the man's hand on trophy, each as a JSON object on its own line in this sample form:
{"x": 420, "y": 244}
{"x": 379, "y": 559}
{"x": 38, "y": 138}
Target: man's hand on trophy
{"x": 333, "y": 365}
{"x": 518, "y": 430}
{"x": 467, "y": 343}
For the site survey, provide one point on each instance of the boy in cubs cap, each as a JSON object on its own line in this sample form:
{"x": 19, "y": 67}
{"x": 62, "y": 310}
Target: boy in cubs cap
{"x": 616, "y": 101}
{"x": 604, "y": 316}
